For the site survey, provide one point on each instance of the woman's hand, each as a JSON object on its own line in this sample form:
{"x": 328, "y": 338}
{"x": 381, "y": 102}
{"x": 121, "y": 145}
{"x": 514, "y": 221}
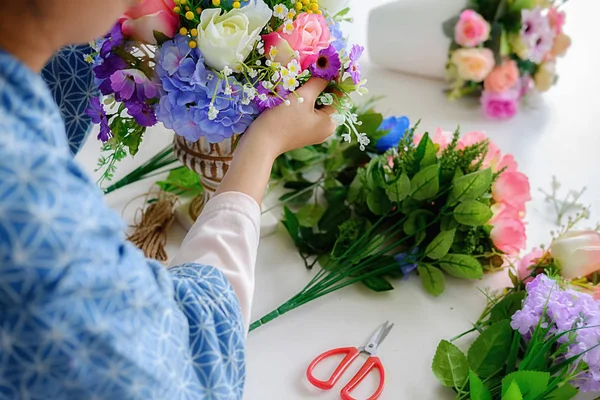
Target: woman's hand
{"x": 274, "y": 132}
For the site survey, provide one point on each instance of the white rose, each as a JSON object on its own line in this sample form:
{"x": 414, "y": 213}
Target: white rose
{"x": 333, "y": 6}
{"x": 577, "y": 253}
{"x": 227, "y": 40}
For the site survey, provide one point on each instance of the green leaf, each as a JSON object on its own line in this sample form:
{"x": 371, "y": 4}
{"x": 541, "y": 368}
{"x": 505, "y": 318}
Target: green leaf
{"x": 291, "y": 224}
{"x": 375, "y": 176}
{"x": 448, "y": 27}
{"x": 303, "y": 154}
{"x": 531, "y": 383}
{"x": 160, "y": 37}
{"x": 357, "y": 187}
{"x": 450, "y": 365}
{"x": 397, "y": 191}
{"x": 377, "y": 284}
{"x": 378, "y": 202}
{"x": 472, "y": 213}
{"x": 310, "y": 215}
{"x": 410, "y": 205}
{"x": 496, "y": 41}
{"x": 513, "y": 393}
{"x": 490, "y": 350}
{"x": 297, "y": 197}
{"x": 519, "y": 5}
{"x": 417, "y": 221}
{"x": 462, "y": 266}
{"x": 448, "y": 223}
{"x": 478, "y": 390}
{"x": 371, "y": 122}
{"x": 507, "y": 307}
{"x": 504, "y": 44}
{"x": 440, "y": 245}
{"x": 565, "y": 392}
{"x": 430, "y": 152}
{"x": 426, "y": 183}
{"x": 336, "y": 196}
{"x": 432, "y": 279}
{"x": 471, "y": 186}
{"x": 182, "y": 182}
{"x": 333, "y": 218}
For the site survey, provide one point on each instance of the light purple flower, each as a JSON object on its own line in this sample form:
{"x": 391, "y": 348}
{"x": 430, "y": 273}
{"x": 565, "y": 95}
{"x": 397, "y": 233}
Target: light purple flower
{"x": 97, "y": 114}
{"x": 142, "y": 113}
{"x": 353, "y": 66}
{"x": 268, "y": 98}
{"x": 133, "y": 84}
{"x": 407, "y": 262}
{"x": 537, "y": 34}
{"x": 327, "y": 65}
{"x": 500, "y": 105}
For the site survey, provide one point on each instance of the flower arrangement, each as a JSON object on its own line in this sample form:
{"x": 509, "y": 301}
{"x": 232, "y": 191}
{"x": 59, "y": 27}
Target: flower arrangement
{"x": 504, "y": 49}
{"x": 208, "y": 68}
{"x": 435, "y": 205}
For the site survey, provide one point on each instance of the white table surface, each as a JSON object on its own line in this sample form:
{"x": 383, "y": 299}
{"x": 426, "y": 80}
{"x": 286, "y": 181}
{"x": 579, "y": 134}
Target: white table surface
{"x": 560, "y": 136}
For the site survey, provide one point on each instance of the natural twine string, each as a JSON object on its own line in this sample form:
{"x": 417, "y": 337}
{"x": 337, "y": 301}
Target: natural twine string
{"x": 150, "y": 233}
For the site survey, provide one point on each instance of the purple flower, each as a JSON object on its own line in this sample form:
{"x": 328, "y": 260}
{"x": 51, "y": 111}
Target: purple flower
{"x": 537, "y": 34}
{"x": 113, "y": 40}
{"x": 98, "y": 116}
{"x": 268, "y": 98}
{"x": 339, "y": 43}
{"x": 327, "y": 65}
{"x": 353, "y": 67}
{"x": 500, "y": 105}
{"x": 104, "y": 71}
{"x": 407, "y": 261}
{"x": 142, "y": 113}
{"x": 133, "y": 84}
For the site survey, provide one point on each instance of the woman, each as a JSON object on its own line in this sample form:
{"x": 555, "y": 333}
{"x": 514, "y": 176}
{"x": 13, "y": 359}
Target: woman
{"x": 83, "y": 315}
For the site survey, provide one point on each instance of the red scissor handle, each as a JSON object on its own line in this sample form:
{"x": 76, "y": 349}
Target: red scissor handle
{"x": 351, "y": 355}
{"x": 371, "y": 364}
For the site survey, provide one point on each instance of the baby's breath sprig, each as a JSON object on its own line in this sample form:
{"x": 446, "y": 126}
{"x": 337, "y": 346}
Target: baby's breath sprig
{"x": 569, "y": 204}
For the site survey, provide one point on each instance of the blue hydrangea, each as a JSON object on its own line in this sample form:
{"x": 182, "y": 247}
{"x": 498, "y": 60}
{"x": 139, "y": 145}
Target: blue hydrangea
{"x": 188, "y": 90}
{"x": 396, "y": 126}
{"x": 339, "y": 43}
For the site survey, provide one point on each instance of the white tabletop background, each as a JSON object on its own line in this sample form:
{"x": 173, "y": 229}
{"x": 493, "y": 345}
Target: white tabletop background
{"x": 560, "y": 136}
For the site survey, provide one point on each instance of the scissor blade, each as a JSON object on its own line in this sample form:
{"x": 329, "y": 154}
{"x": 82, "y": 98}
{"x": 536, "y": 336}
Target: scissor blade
{"x": 378, "y": 337}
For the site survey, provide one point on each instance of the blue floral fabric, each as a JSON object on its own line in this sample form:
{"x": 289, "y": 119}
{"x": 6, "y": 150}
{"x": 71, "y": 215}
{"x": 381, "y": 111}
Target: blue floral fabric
{"x": 71, "y": 81}
{"x": 83, "y": 315}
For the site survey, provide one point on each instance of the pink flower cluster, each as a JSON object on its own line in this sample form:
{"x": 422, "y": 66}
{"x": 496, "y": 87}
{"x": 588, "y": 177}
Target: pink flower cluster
{"x": 510, "y": 192}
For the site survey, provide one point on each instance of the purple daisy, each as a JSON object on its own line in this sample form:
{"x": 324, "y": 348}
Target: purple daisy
{"x": 269, "y": 98}
{"x": 113, "y": 40}
{"x": 97, "y": 114}
{"x": 327, "y": 65}
{"x": 142, "y": 113}
{"x": 353, "y": 67}
{"x": 133, "y": 84}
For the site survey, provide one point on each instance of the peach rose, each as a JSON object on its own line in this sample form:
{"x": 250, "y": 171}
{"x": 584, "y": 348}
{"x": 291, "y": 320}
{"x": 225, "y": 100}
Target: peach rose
{"x": 513, "y": 189}
{"x": 503, "y": 77}
{"x": 562, "y": 43}
{"x": 471, "y": 29}
{"x": 577, "y": 253}
{"x": 141, "y": 21}
{"x": 473, "y": 64}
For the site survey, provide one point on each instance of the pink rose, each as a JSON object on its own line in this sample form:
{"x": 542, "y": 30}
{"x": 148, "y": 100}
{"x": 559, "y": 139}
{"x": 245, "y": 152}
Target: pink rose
{"x": 441, "y": 138}
{"x": 503, "y": 77}
{"x": 577, "y": 253}
{"x": 309, "y": 36}
{"x": 500, "y": 105}
{"x": 528, "y": 261}
{"x": 493, "y": 156}
{"x": 507, "y": 163}
{"x": 141, "y": 21}
{"x": 557, "y": 19}
{"x": 512, "y": 188}
{"x": 508, "y": 235}
{"x": 471, "y": 29}
{"x": 473, "y": 64}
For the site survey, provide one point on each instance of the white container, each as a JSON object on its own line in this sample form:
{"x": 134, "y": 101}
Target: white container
{"x": 407, "y": 36}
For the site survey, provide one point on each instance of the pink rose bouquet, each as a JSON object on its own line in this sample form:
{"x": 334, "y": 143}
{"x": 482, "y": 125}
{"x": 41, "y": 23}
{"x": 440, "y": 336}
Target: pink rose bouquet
{"x": 498, "y": 49}
{"x": 209, "y": 68}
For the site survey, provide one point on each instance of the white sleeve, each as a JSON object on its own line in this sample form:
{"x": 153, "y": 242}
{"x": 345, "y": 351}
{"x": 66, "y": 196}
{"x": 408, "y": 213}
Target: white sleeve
{"x": 226, "y": 237}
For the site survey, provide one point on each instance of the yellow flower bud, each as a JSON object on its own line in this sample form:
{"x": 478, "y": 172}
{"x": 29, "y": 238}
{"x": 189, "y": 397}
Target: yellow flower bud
{"x": 177, "y": 10}
{"x": 216, "y": 3}
{"x": 192, "y": 44}
{"x": 189, "y": 15}
{"x": 183, "y": 2}
{"x": 199, "y": 10}
{"x": 314, "y": 7}
{"x": 183, "y": 31}
{"x": 298, "y": 6}
{"x": 306, "y": 2}
{"x": 194, "y": 32}
{"x": 236, "y": 4}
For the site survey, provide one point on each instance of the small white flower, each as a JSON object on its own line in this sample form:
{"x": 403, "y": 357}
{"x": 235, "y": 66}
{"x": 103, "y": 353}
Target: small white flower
{"x": 227, "y": 71}
{"x": 241, "y": 57}
{"x": 258, "y": 63}
{"x": 260, "y": 45}
{"x": 268, "y": 63}
{"x": 326, "y": 99}
{"x": 280, "y": 11}
{"x": 304, "y": 73}
{"x": 261, "y": 51}
{"x": 285, "y": 73}
{"x": 347, "y": 137}
{"x": 287, "y": 102}
{"x": 228, "y": 91}
{"x": 253, "y": 73}
{"x": 88, "y": 58}
{"x": 263, "y": 97}
{"x": 267, "y": 85}
{"x": 238, "y": 68}
{"x": 339, "y": 120}
{"x": 294, "y": 67}
{"x": 212, "y": 112}
{"x": 275, "y": 77}
{"x": 363, "y": 140}
{"x": 250, "y": 91}
{"x": 291, "y": 14}
{"x": 297, "y": 54}
{"x": 275, "y": 64}
{"x": 300, "y": 100}
{"x": 362, "y": 90}
{"x": 290, "y": 83}
{"x": 273, "y": 52}
{"x": 288, "y": 26}
{"x": 293, "y": 2}
{"x": 210, "y": 77}
{"x": 353, "y": 118}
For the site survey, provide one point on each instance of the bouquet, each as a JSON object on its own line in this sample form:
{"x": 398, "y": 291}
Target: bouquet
{"x": 439, "y": 204}
{"x": 504, "y": 49}
{"x": 208, "y": 68}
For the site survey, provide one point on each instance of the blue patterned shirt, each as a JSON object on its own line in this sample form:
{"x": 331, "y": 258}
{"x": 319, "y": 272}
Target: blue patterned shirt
{"x": 83, "y": 315}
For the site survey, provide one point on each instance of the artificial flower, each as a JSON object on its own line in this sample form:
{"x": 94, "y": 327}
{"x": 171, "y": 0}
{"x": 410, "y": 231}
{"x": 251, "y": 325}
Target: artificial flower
{"x": 508, "y": 235}
{"x": 268, "y": 98}
{"x": 544, "y": 77}
{"x": 536, "y": 34}
{"x": 577, "y": 253}
{"x": 512, "y": 188}
{"x": 408, "y": 262}
{"x": 149, "y": 16}
{"x": 471, "y": 29}
{"x": 561, "y": 44}
{"x": 104, "y": 71}
{"x": 500, "y": 105}
{"x": 556, "y": 19}
{"x": 143, "y": 114}
{"x": 278, "y": 49}
{"x": 133, "y": 84}
{"x": 441, "y": 139}
{"x": 353, "y": 66}
{"x": 524, "y": 271}
{"x": 227, "y": 38}
{"x": 396, "y": 127}
{"x": 309, "y": 37}
{"x": 473, "y": 64}
{"x": 335, "y": 29}
{"x": 97, "y": 114}
{"x": 333, "y": 6}
{"x": 327, "y": 66}
{"x": 503, "y": 77}
{"x": 113, "y": 40}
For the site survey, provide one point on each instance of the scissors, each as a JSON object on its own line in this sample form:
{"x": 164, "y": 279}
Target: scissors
{"x": 351, "y": 354}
